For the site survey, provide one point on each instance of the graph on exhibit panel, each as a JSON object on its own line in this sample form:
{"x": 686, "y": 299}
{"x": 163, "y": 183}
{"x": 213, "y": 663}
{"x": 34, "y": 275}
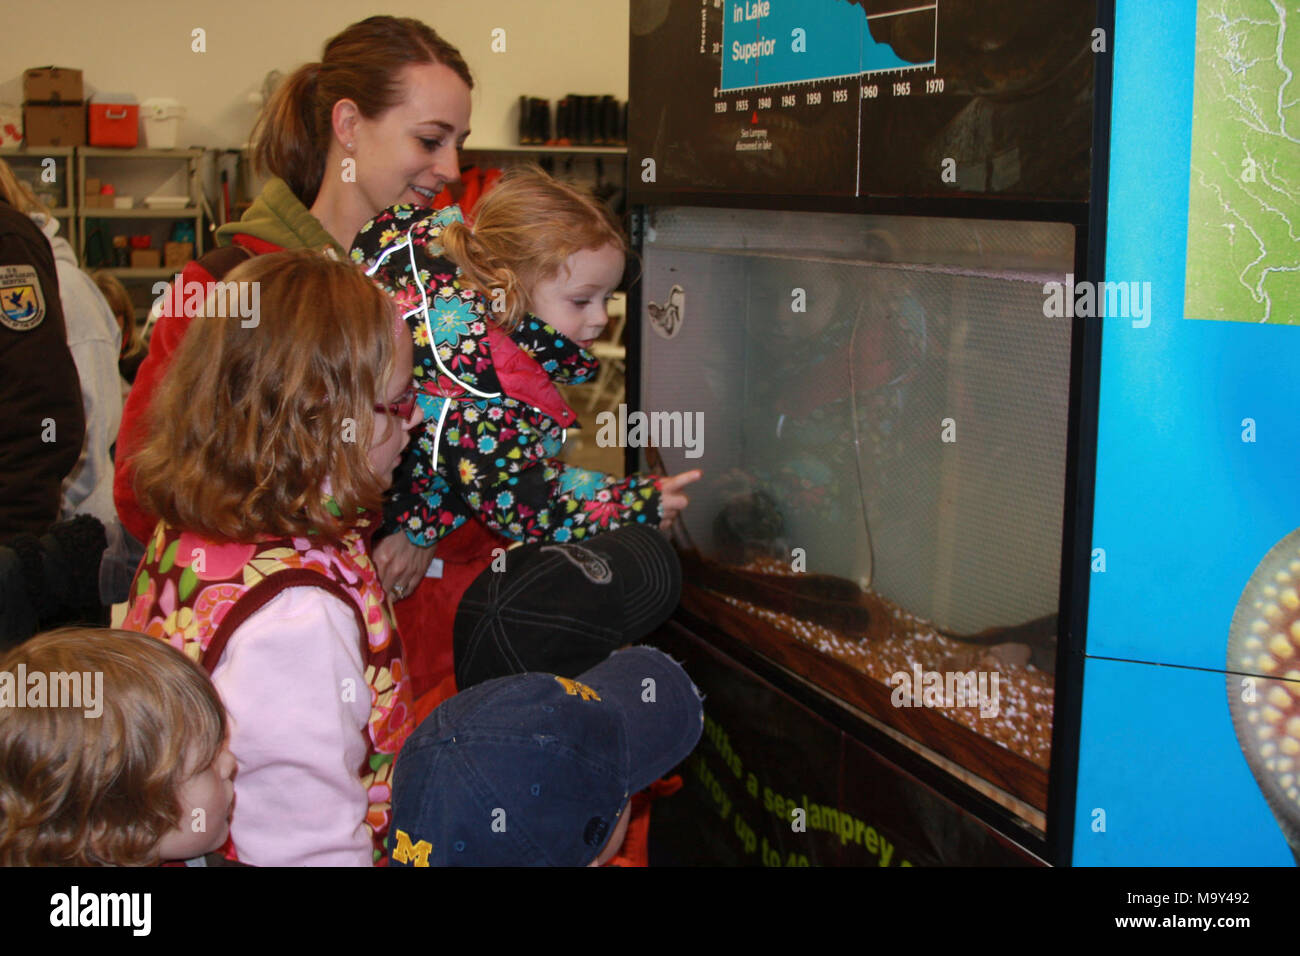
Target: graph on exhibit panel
{"x": 771, "y": 43}
{"x": 864, "y": 97}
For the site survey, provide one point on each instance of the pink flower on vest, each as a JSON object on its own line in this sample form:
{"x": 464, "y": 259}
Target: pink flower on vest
{"x": 137, "y": 615}
{"x": 213, "y": 603}
{"x": 211, "y": 561}
{"x": 316, "y": 559}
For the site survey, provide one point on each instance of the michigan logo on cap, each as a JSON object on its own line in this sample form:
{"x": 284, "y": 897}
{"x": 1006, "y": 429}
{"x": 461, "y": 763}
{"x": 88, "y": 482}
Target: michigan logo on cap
{"x": 417, "y": 854}
{"x": 576, "y": 689}
{"x": 22, "y": 306}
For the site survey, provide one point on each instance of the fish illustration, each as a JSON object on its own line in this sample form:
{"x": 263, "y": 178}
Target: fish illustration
{"x": 1263, "y": 681}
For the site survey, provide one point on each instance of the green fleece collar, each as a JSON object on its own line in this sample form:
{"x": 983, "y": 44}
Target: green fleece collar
{"x": 278, "y": 216}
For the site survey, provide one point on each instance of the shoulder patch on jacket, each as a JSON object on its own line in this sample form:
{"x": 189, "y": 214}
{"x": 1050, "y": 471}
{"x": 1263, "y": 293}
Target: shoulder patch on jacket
{"x": 22, "y": 302}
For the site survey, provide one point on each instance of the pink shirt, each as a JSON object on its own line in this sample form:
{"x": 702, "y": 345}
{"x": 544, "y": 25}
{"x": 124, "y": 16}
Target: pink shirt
{"x": 298, "y": 705}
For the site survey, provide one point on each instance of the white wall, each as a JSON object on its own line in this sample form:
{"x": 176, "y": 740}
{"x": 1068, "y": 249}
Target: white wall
{"x": 553, "y": 47}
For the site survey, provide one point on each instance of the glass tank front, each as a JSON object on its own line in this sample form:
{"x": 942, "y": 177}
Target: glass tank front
{"x": 879, "y": 407}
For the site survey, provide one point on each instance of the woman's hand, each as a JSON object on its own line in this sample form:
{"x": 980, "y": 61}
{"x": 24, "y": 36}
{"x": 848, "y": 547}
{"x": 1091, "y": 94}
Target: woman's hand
{"x": 671, "y": 501}
{"x": 401, "y": 565}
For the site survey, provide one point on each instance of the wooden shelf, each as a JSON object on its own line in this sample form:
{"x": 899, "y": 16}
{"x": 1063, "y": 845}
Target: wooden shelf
{"x": 185, "y": 212}
{"x": 141, "y": 153}
{"x": 25, "y": 150}
{"x": 140, "y": 273}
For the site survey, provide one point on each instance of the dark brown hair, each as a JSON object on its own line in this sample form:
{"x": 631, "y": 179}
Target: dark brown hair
{"x": 82, "y": 790}
{"x": 363, "y": 64}
{"x": 250, "y": 423}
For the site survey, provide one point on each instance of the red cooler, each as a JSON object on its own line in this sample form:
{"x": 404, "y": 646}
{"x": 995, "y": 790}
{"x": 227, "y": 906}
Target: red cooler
{"x": 114, "y": 120}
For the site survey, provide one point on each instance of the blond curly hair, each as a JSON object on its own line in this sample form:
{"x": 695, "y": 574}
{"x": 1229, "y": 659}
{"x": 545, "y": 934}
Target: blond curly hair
{"x": 525, "y": 229}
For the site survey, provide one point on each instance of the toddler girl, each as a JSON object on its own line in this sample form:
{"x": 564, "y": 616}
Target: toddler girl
{"x": 272, "y": 441}
{"x": 491, "y": 344}
{"x": 114, "y": 753}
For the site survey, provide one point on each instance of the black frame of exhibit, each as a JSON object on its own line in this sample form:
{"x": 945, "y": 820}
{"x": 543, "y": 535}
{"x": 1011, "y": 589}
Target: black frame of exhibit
{"x": 743, "y": 662}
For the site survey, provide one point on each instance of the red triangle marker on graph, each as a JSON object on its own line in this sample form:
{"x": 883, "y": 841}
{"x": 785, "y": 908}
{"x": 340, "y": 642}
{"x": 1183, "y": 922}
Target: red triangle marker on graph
{"x": 754, "y": 118}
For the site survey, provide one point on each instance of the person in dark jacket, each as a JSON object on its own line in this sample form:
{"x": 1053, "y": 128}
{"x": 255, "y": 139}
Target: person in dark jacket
{"x": 43, "y": 425}
{"x": 42, "y": 429}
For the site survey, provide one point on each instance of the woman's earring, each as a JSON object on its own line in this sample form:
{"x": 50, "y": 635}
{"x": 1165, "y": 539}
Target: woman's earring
{"x": 349, "y": 147}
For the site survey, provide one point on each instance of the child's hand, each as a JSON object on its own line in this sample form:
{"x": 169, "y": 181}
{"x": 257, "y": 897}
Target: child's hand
{"x": 401, "y": 565}
{"x": 671, "y": 501}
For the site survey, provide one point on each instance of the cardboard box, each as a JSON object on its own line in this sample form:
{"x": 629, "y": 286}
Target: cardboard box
{"x": 145, "y": 259}
{"x": 176, "y": 254}
{"x": 52, "y": 84}
{"x": 92, "y": 186}
{"x": 54, "y": 125}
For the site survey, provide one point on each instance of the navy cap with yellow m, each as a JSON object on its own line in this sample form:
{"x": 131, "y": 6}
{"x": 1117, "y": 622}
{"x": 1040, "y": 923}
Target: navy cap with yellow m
{"x": 534, "y": 769}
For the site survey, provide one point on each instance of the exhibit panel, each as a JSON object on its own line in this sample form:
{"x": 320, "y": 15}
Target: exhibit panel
{"x": 880, "y": 389}
{"x": 1004, "y": 424}
{"x": 864, "y": 98}
{"x": 1195, "y": 564}
{"x": 1163, "y": 780}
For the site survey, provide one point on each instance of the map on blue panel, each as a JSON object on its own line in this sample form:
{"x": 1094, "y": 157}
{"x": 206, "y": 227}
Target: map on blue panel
{"x": 767, "y": 42}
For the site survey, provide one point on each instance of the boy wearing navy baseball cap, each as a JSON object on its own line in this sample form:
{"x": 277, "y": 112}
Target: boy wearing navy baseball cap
{"x": 537, "y": 770}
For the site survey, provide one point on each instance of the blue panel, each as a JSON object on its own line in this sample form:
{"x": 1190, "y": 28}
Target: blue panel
{"x": 1197, "y": 477}
{"x": 1185, "y": 508}
{"x": 1158, "y": 755}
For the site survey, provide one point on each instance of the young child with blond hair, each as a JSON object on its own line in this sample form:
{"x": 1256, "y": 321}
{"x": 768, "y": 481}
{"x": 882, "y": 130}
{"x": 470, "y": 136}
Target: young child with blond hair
{"x": 539, "y": 565}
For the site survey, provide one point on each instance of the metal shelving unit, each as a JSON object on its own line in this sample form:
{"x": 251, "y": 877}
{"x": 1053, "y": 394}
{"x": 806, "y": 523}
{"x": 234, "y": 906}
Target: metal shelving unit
{"x": 24, "y": 157}
{"x": 88, "y": 157}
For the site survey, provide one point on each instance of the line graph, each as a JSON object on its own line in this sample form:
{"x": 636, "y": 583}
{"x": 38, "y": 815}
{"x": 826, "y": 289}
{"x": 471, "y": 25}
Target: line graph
{"x": 778, "y": 42}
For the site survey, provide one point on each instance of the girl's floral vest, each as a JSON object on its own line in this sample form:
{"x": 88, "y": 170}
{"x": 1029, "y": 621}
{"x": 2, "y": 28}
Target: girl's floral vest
{"x": 194, "y": 593}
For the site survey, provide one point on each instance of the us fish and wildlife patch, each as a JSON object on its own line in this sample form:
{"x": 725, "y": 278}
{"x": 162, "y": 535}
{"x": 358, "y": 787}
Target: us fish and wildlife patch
{"x": 22, "y": 304}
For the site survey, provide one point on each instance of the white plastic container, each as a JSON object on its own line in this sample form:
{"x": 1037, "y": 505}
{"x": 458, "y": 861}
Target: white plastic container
{"x": 162, "y": 122}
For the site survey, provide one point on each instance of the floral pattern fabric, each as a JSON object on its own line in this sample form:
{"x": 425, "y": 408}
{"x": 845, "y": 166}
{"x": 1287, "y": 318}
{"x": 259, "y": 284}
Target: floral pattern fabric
{"x": 485, "y": 450}
{"x": 186, "y": 586}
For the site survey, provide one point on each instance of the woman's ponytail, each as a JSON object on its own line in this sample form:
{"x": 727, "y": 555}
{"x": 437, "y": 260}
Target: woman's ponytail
{"x": 287, "y": 138}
